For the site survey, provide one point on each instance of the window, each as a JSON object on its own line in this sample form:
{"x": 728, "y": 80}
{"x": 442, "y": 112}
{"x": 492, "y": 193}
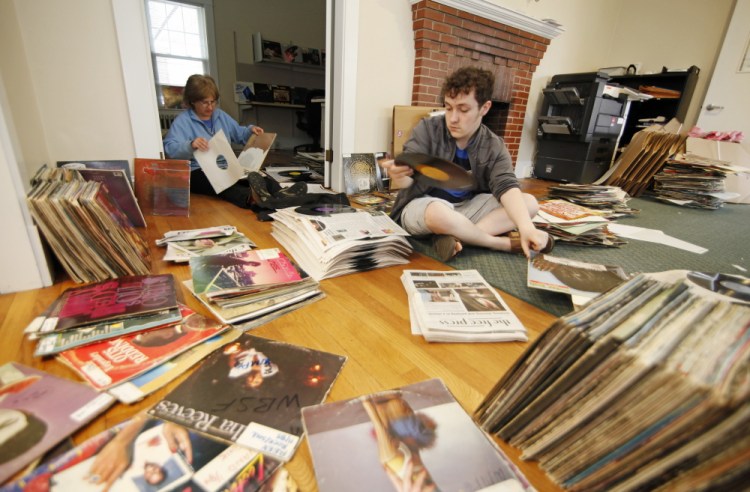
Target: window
{"x": 181, "y": 37}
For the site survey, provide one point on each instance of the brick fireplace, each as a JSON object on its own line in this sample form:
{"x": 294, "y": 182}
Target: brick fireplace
{"x": 449, "y": 34}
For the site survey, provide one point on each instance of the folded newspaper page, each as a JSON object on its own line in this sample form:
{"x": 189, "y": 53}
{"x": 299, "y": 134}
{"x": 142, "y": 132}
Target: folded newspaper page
{"x": 459, "y": 306}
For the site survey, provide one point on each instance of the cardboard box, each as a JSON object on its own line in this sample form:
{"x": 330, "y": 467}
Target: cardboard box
{"x": 405, "y": 118}
{"x": 726, "y": 151}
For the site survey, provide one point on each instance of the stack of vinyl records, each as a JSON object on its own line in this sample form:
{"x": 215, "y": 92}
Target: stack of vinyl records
{"x": 332, "y": 240}
{"x": 612, "y": 200}
{"x": 646, "y": 387}
{"x": 252, "y": 286}
{"x": 88, "y": 232}
{"x": 693, "y": 181}
{"x": 576, "y": 224}
{"x": 128, "y": 336}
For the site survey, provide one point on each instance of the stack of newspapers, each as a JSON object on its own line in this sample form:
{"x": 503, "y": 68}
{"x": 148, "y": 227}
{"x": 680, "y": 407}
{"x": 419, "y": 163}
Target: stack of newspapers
{"x": 458, "y": 306}
{"x": 645, "y": 388}
{"x": 332, "y": 244}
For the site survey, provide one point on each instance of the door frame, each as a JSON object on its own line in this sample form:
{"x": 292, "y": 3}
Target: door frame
{"x": 342, "y": 19}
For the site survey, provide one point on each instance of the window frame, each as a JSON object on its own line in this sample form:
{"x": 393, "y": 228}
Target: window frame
{"x": 207, "y": 6}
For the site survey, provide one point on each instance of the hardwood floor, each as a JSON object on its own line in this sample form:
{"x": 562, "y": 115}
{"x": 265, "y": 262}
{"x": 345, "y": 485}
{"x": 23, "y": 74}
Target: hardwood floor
{"x": 364, "y": 316}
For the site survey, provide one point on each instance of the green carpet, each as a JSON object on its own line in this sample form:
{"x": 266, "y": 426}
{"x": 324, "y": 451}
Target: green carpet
{"x": 725, "y": 232}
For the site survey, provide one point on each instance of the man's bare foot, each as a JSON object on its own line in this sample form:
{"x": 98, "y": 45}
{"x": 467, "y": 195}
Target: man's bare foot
{"x": 446, "y": 246}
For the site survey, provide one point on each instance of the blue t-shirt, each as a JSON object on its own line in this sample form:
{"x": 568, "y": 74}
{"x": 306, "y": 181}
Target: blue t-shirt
{"x": 461, "y": 158}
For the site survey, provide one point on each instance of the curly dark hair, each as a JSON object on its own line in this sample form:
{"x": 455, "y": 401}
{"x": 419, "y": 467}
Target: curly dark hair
{"x": 463, "y": 80}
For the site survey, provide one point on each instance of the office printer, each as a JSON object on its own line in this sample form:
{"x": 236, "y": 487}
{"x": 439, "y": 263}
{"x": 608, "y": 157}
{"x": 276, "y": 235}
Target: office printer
{"x": 578, "y": 128}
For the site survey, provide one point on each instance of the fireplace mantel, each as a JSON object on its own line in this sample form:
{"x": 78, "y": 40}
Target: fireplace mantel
{"x": 491, "y": 11}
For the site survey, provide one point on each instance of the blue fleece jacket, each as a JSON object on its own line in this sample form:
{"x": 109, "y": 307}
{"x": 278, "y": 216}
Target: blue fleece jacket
{"x": 187, "y": 127}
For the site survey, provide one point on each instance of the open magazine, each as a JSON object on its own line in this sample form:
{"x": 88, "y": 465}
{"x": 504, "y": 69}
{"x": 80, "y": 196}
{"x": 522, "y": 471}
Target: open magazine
{"x": 458, "y": 306}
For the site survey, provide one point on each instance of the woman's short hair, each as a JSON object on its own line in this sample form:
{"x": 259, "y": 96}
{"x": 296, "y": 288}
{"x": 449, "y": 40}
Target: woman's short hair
{"x": 463, "y": 80}
{"x": 197, "y": 88}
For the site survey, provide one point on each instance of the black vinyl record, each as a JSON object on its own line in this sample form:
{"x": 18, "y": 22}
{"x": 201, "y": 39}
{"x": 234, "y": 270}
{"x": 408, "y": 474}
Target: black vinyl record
{"x": 324, "y": 209}
{"x": 436, "y": 172}
{"x": 296, "y": 175}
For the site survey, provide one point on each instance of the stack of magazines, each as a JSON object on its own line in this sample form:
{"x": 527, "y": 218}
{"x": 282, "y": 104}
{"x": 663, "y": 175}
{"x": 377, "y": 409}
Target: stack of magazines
{"x": 694, "y": 181}
{"x": 185, "y": 244}
{"x": 86, "y": 229}
{"x": 252, "y": 286}
{"x": 329, "y": 241}
{"x": 458, "y": 306}
{"x": 646, "y": 387}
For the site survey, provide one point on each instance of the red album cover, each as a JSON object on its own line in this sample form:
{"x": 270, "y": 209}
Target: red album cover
{"x": 235, "y": 272}
{"x": 113, "y": 361}
{"x": 112, "y": 299}
{"x": 162, "y": 186}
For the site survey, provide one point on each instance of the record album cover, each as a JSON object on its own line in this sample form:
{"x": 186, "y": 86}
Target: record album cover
{"x": 37, "y": 411}
{"x": 107, "y": 363}
{"x": 251, "y": 392}
{"x": 237, "y": 271}
{"x": 150, "y": 455}
{"x": 396, "y": 439}
{"x": 112, "y": 299}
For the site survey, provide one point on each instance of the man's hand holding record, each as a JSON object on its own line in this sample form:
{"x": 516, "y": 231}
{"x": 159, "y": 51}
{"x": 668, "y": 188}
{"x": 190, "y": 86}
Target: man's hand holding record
{"x": 436, "y": 172}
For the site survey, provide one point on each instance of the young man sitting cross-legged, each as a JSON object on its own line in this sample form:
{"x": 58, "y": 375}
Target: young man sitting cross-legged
{"x": 494, "y": 214}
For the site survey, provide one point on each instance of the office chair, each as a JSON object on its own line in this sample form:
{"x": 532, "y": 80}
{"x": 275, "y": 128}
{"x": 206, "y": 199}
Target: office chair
{"x": 308, "y": 121}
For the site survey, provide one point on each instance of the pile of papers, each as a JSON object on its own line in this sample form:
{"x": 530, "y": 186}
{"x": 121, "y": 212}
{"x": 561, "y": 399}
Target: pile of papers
{"x": 458, "y": 306}
{"x": 694, "y": 181}
{"x": 186, "y": 244}
{"x": 576, "y": 224}
{"x": 256, "y": 285}
{"x": 330, "y": 245}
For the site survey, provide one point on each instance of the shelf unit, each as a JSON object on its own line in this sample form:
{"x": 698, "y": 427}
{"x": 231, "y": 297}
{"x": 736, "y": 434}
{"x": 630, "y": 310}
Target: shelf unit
{"x": 683, "y": 81}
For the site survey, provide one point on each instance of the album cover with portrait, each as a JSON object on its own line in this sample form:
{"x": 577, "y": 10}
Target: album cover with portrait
{"x": 251, "y": 392}
{"x": 113, "y": 361}
{"x": 150, "y": 455}
{"x": 407, "y": 438}
{"x": 39, "y": 410}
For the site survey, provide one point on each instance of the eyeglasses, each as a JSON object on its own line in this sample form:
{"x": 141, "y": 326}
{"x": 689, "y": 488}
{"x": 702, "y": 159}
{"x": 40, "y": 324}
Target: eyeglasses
{"x": 208, "y": 102}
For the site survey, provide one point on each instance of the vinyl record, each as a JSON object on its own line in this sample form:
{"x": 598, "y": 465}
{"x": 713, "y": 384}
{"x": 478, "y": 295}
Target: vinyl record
{"x": 367, "y": 199}
{"x": 296, "y": 175}
{"x": 324, "y": 209}
{"x": 436, "y": 172}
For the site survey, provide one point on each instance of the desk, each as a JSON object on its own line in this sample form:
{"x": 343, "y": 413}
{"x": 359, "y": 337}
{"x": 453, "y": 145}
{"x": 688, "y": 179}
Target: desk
{"x": 365, "y": 317}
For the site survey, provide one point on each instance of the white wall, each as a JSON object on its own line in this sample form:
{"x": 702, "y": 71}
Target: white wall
{"x": 300, "y": 22}
{"x": 76, "y": 82}
{"x": 672, "y": 33}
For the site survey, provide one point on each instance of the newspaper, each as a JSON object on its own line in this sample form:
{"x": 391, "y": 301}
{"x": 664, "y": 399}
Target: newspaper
{"x": 459, "y": 306}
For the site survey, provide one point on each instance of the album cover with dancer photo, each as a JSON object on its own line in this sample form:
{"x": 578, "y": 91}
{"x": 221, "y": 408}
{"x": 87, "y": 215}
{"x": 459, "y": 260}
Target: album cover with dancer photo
{"x": 416, "y": 437}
